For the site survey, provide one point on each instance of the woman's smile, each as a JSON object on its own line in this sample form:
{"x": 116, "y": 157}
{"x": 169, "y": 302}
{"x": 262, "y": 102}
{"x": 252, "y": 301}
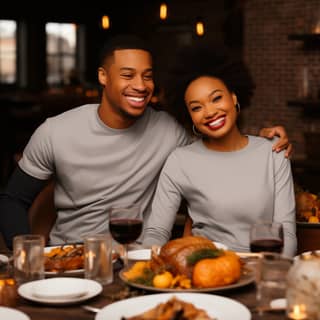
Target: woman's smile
{"x": 217, "y": 123}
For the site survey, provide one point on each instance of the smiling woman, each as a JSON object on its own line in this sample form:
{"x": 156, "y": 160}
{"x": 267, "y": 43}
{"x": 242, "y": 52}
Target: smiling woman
{"x": 202, "y": 60}
{"x": 218, "y": 164}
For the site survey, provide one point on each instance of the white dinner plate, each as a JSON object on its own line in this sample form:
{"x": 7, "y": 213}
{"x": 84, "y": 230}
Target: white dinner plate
{"x": 145, "y": 254}
{"x": 71, "y": 288}
{"x": 216, "y": 306}
{"x": 28, "y": 290}
{"x": 12, "y": 314}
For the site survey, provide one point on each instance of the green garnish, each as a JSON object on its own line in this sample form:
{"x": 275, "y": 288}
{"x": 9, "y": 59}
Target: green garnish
{"x": 203, "y": 254}
{"x": 145, "y": 279}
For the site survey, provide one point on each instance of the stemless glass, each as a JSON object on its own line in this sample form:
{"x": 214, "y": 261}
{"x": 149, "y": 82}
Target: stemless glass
{"x": 266, "y": 237}
{"x": 125, "y": 225}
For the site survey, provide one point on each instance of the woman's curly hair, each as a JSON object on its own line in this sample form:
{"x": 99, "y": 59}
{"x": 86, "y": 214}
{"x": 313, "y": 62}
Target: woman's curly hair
{"x": 199, "y": 61}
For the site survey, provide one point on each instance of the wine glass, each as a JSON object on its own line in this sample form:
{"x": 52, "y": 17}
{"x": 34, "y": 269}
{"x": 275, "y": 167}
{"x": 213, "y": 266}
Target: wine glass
{"x": 125, "y": 225}
{"x": 266, "y": 237}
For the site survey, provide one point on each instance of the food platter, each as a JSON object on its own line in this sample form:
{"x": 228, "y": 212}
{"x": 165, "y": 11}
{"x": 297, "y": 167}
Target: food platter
{"x": 74, "y": 272}
{"x": 305, "y": 224}
{"x": 217, "y": 307}
{"x": 246, "y": 278}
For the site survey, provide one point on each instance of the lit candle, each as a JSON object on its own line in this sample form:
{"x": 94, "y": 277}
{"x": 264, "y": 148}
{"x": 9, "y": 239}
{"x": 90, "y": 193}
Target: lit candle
{"x": 298, "y": 312}
{"x": 8, "y": 292}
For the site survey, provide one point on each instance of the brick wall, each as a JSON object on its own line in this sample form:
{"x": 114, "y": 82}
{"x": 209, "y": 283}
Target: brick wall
{"x": 276, "y": 64}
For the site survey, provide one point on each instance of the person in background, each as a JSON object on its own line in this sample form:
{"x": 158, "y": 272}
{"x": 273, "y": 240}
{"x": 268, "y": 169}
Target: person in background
{"x": 229, "y": 180}
{"x": 100, "y": 155}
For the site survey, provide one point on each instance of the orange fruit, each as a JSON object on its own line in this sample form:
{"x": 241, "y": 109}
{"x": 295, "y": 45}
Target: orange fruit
{"x": 163, "y": 280}
{"x": 215, "y": 272}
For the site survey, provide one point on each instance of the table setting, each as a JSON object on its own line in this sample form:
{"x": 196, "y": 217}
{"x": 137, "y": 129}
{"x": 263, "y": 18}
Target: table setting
{"x": 102, "y": 290}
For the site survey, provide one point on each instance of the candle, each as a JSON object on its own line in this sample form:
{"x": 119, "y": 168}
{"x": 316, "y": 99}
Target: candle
{"x": 8, "y": 292}
{"x": 298, "y": 312}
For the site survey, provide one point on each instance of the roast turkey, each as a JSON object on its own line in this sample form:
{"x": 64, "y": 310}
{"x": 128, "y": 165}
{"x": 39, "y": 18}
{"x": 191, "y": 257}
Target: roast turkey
{"x": 174, "y": 254}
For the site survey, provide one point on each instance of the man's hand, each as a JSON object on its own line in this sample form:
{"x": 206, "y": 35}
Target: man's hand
{"x": 282, "y": 143}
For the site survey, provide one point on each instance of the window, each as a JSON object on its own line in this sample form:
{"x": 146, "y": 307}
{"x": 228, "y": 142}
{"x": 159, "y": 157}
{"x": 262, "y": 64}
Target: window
{"x": 8, "y": 51}
{"x": 61, "y": 53}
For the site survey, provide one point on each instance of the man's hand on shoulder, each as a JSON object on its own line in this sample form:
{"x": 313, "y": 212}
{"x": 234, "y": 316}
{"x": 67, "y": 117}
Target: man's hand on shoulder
{"x": 283, "y": 141}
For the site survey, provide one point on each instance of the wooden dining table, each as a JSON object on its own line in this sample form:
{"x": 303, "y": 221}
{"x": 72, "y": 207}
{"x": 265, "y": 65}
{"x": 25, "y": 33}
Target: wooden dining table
{"x": 119, "y": 290}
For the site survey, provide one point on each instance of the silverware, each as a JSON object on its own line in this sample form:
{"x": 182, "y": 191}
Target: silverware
{"x": 91, "y": 309}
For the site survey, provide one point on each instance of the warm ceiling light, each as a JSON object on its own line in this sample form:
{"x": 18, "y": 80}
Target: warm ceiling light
{"x": 105, "y": 22}
{"x": 200, "y": 28}
{"x": 163, "y": 11}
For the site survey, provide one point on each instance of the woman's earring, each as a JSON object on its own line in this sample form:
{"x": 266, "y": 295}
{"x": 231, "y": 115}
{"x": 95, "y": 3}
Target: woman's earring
{"x": 196, "y": 132}
{"x": 238, "y": 107}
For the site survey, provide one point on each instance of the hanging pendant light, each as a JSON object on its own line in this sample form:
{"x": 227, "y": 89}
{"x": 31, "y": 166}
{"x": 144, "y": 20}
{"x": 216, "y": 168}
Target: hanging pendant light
{"x": 200, "y": 28}
{"x": 163, "y": 11}
{"x": 105, "y": 22}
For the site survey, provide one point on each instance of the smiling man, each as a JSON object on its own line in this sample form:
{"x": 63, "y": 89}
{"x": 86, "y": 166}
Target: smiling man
{"x": 100, "y": 155}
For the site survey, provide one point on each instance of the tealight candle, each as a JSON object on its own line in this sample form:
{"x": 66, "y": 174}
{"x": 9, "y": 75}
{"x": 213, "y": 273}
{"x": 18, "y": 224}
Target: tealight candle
{"x": 298, "y": 312}
{"x": 8, "y": 292}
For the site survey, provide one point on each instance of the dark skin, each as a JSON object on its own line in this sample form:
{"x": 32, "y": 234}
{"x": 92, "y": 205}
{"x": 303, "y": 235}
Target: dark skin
{"x": 129, "y": 72}
{"x": 209, "y": 101}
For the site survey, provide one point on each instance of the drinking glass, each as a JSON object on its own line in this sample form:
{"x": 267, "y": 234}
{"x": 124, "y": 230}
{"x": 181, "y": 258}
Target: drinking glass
{"x": 266, "y": 237}
{"x": 272, "y": 285}
{"x": 28, "y": 257}
{"x": 125, "y": 225}
{"x": 98, "y": 258}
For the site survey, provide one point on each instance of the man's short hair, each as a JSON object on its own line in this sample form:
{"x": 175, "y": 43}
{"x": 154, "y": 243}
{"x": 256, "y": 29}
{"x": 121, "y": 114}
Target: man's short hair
{"x": 122, "y": 42}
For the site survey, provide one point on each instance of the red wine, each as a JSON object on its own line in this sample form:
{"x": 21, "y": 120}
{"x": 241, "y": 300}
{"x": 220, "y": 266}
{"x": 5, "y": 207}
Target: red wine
{"x": 269, "y": 245}
{"x": 125, "y": 230}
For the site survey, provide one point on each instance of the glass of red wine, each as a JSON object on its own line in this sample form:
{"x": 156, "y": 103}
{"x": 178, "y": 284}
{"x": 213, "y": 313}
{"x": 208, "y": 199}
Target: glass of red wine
{"x": 125, "y": 225}
{"x": 266, "y": 237}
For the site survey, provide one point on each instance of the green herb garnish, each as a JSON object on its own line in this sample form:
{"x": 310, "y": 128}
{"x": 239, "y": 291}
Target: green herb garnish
{"x": 203, "y": 254}
{"x": 146, "y": 278}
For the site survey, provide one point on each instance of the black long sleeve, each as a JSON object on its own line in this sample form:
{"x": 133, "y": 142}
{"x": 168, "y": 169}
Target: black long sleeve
{"x": 15, "y": 202}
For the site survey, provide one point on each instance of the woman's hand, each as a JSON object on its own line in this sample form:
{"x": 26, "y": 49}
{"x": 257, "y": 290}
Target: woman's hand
{"x": 282, "y": 143}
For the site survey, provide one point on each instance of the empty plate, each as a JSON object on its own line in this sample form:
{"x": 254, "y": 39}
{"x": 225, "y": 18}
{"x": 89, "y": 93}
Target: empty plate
{"x": 60, "y": 291}
{"x": 60, "y": 288}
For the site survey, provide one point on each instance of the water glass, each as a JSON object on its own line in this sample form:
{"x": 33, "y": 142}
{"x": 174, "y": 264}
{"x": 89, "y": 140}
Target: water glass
{"x": 28, "y": 257}
{"x": 272, "y": 282}
{"x": 98, "y": 258}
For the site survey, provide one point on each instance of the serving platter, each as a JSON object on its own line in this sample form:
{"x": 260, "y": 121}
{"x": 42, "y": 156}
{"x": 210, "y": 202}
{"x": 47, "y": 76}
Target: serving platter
{"x": 74, "y": 272}
{"x": 246, "y": 278}
{"x": 308, "y": 224}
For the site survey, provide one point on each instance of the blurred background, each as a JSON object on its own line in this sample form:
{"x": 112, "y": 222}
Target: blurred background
{"x": 49, "y": 58}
